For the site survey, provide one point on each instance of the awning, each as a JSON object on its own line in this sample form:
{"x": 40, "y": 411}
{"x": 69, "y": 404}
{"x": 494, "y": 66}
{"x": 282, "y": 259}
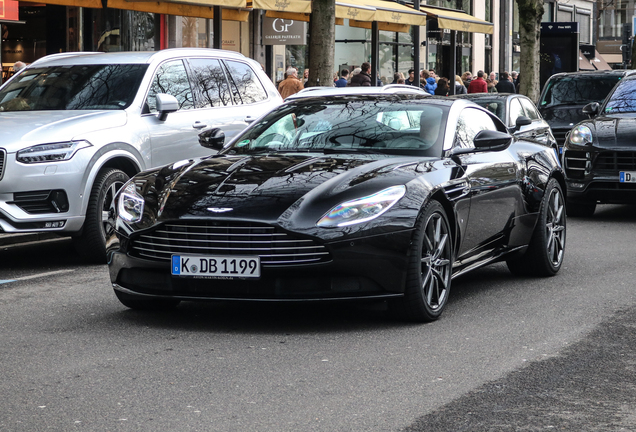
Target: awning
{"x": 452, "y": 19}
{"x": 297, "y": 10}
{"x": 584, "y": 63}
{"x": 599, "y": 62}
{"x": 192, "y": 8}
{"x": 389, "y": 12}
{"x": 613, "y": 58}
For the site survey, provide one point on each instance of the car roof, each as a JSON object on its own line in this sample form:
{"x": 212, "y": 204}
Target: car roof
{"x": 487, "y": 96}
{"x": 598, "y": 73}
{"x": 345, "y": 91}
{"x": 131, "y": 57}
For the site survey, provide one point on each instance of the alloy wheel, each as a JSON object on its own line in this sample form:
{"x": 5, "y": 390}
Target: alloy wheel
{"x": 436, "y": 261}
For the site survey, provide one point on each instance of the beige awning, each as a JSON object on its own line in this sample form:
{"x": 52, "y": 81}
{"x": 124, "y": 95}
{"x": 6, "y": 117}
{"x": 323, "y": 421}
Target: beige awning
{"x": 349, "y": 10}
{"x": 293, "y": 6}
{"x": 191, "y": 8}
{"x": 458, "y": 20}
{"x": 389, "y": 12}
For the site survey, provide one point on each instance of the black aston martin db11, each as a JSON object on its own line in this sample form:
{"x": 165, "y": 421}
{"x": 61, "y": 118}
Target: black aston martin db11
{"x": 381, "y": 196}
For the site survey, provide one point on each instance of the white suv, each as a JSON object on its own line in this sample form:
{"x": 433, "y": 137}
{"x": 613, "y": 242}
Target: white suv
{"x": 74, "y": 128}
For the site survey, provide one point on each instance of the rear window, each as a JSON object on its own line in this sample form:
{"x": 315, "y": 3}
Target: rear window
{"x": 577, "y": 90}
{"x": 85, "y": 87}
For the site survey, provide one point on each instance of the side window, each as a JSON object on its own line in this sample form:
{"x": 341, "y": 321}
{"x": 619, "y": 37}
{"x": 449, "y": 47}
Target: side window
{"x": 171, "y": 78}
{"x": 515, "y": 111}
{"x": 530, "y": 109}
{"x": 246, "y": 88}
{"x": 469, "y": 124}
{"x": 210, "y": 82}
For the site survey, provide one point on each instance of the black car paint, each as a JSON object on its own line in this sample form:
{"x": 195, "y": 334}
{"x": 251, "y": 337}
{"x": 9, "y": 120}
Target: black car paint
{"x": 492, "y": 207}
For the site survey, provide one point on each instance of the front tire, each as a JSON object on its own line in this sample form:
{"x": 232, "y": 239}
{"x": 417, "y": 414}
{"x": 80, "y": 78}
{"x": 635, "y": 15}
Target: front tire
{"x": 430, "y": 268}
{"x": 99, "y": 224}
{"x": 544, "y": 256}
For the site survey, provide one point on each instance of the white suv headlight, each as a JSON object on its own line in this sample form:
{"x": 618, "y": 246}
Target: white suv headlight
{"x": 130, "y": 206}
{"x": 50, "y": 152}
{"x": 362, "y": 209}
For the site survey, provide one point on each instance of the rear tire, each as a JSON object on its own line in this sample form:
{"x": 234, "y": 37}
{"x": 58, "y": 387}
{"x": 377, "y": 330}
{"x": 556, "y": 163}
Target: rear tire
{"x": 430, "y": 268}
{"x": 544, "y": 256}
{"x": 581, "y": 209}
{"x": 142, "y": 303}
{"x": 99, "y": 224}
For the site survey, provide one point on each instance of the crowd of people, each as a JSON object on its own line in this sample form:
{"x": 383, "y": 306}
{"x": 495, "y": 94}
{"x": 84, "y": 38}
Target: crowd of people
{"x": 481, "y": 82}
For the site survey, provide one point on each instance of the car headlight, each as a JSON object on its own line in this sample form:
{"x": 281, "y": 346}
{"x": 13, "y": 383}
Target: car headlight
{"x": 362, "y": 209}
{"x": 51, "y": 152}
{"x": 130, "y": 206}
{"x": 581, "y": 135}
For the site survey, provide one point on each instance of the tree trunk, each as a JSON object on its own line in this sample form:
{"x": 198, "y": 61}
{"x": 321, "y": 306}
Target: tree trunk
{"x": 530, "y": 14}
{"x": 322, "y": 40}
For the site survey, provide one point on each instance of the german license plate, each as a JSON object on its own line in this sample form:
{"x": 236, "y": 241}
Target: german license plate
{"x": 218, "y": 266}
{"x": 627, "y": 176}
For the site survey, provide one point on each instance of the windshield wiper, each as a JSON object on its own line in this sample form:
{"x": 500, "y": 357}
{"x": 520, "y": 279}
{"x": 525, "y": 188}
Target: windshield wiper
{"x": 332, "y": 150}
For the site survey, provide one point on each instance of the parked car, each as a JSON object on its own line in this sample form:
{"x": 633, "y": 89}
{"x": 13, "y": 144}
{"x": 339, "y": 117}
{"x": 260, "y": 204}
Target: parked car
{"x": 380, "y": 196}
{"x": 332, "y": 91}
{"x": 565, "y": 94}
{"x": 599, "y": 156}
{"x": 519, "y": 114}
{"x": 75, "y": 127}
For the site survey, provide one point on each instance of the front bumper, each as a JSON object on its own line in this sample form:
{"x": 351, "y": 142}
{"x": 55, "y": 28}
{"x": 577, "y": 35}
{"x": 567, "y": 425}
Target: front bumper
{"x": 363, "y": 268}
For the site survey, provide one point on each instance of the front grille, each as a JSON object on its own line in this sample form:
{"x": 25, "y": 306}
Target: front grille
{"x": 274, "y": 247}
{"x": 575, "y": 164}
{"x": 616, "y": 161}
{"x": 3, "y": 161}
{"x": 559, "y": 135}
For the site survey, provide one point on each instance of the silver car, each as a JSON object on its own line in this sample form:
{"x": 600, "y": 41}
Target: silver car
{"x": 75, "y": 127}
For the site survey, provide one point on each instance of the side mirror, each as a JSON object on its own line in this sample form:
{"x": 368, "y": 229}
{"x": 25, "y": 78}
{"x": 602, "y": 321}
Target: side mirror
{"x": 485, "y": 140}
{"x": 488, "y": 140}
{"x": 166, "y": 104}
{"x": 591, "y": 109}
{"x": 522, "y": 121}
{"x": 212, "y": 138}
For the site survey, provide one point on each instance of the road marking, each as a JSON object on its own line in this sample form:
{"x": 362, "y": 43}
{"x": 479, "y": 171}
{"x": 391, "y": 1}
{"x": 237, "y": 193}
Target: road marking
{"x": 35, "y": 276}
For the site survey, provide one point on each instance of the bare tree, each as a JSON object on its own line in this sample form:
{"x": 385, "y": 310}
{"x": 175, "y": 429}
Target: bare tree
{"x": 530, "y": 14}
{"x": 322, "y": 40}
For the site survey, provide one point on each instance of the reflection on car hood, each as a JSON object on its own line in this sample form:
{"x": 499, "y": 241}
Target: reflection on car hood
{"x": 20, "y": 129}
{"x": 564, "y": 116}
{"x": 615, "y": 132}
{"x": 264, "y": 187}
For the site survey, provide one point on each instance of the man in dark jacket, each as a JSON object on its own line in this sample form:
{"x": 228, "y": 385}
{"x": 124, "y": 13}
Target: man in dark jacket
{"x": 505, "y": 85}
{"x": 479, "y": 84}
{"x": 363, "y": 78}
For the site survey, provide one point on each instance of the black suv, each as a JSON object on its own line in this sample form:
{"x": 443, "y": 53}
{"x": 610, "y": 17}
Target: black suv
{"x": 599, "y": 156}
{"x": 565, "y": 94}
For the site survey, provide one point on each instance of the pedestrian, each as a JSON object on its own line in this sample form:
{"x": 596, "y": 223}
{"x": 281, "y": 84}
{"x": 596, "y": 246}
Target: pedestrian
{"x": 518, "y": 85}
{"x": 291, "y": 84}
{"x": 459, "y": 85}
{"x": 513, "y": 76}
{"x": 431, "y": 72}
{"x": 505, "y": 85}
{"x": 493, "y": 77}
{"x": 411, "y": 79}
{"x": 362, "y": 79}
{"x": 442, "y": 87}
{"x": 478, "y": 85}
{"x": 491, "y": 86}
{"x": 342, "y": 82}
{"x": 431, "y": 84}
{"x": 466, "y": 78}
{"x": 305, "y": 76}
{"x": 396, "y": 77}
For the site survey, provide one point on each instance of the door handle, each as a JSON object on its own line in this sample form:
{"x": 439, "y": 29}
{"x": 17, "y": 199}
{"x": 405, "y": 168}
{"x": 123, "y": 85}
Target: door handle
{"x": 198, "y": 125}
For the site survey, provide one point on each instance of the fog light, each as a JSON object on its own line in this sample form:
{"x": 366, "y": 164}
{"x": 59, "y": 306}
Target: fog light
{"x": 56, "y": 224}
{"x": 577, "y": 185}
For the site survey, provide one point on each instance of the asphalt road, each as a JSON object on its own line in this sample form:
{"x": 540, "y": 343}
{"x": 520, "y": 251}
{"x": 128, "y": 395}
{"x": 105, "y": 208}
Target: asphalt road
{"x": 508, "y": 354}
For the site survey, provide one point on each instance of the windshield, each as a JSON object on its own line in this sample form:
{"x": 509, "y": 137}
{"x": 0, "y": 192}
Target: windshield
{"x": 495, "y": 106}
{"x": 623, "y": 100}
{"x": 348, "y": 125}
{"x": 85, "y": 87}
{"x": 578, "y": 90}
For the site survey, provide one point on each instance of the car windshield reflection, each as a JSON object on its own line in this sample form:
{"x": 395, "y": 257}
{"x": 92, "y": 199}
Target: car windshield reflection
{"x": 346, "y": 126}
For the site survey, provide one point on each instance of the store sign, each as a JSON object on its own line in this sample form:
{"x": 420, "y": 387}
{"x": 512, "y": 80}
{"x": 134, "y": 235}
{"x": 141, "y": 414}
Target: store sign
{"x": 278, "y": 31}
{"x": 9, "y": 10}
